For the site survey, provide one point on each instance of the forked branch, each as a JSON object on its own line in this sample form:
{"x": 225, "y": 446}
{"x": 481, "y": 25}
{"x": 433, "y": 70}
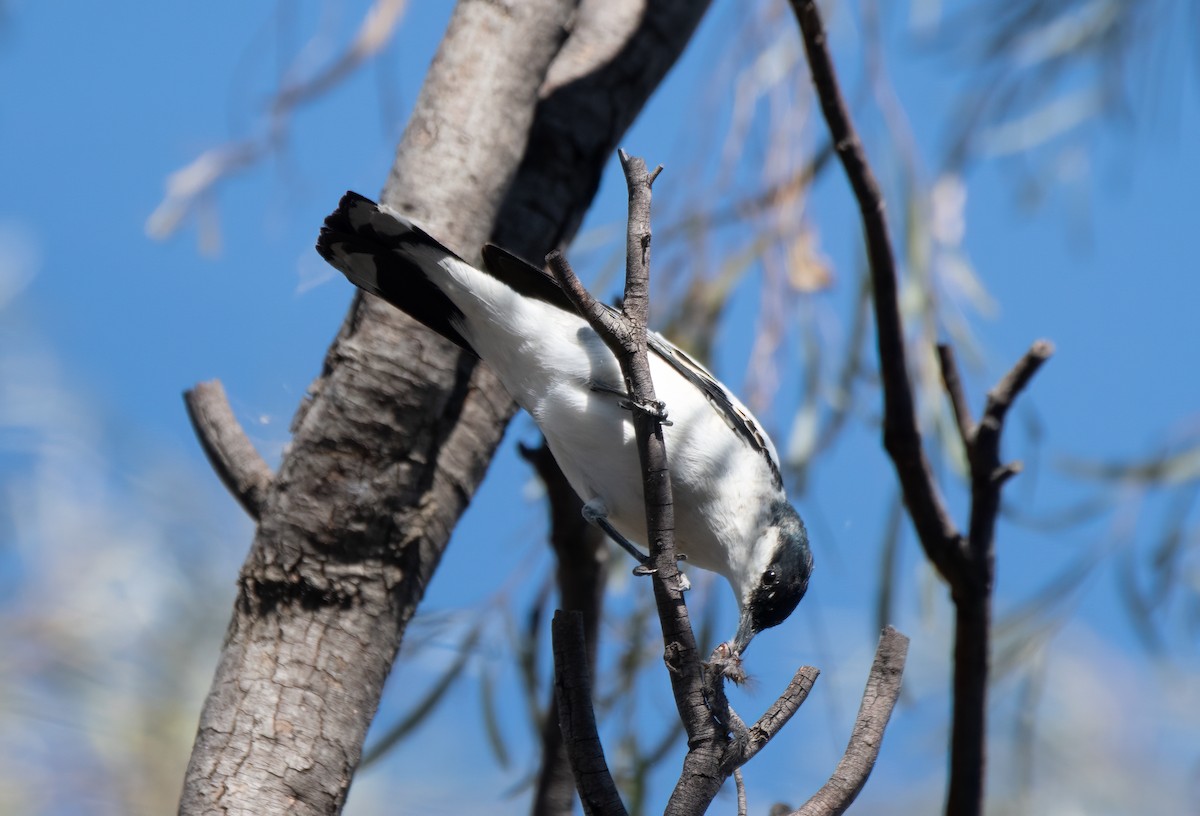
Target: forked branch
{"x": 624, "y": 333}
{"x": 967, "y": 563}
{"x": 712, "y": 757}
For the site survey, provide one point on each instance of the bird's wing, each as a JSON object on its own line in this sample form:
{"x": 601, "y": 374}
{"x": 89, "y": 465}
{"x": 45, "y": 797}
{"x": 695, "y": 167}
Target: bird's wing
{"x": 531, "y": 281}
{"x": 736, "y": 415}
{"x": 524, "y": 278}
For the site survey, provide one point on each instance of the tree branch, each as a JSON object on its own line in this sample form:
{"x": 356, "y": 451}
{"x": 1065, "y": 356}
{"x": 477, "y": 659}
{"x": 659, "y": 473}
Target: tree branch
{"x": 229, "y": 451}
{"x": 952, "y": 382}
{"x": 581, "y": 551}
{"x": 398, "y": 429}
{"x": 741, "y": 791}
{"x": 968, "y": 565}
{"x": 776, "y": 717}
{"x": 973, "y": 613}
{"x": 698, "y": 688}
{"x": 879, "y": 699}
{"x": 987, "y": 474}
{"x": 625, "y": 335}
{"x": 573, "y": 691}
{"x": 385, "y": 454}
{"x": 939, "y": 536}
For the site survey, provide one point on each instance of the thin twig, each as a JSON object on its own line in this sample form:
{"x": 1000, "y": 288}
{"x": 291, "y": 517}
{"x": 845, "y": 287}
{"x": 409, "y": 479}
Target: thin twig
{"x": 573, "y": 687}
{"x": 988, "y": 475}
{"x": 954, "y": 390}
{"x": 710, "y": 758}
{"x": 229, "y": 451}
{"x": 879, "y": 698}
{"x": 1001, "y": 398}
{"x": 624, "y": 334}
{"x": 741, "y": 791}
{"x": 607, "y": 323}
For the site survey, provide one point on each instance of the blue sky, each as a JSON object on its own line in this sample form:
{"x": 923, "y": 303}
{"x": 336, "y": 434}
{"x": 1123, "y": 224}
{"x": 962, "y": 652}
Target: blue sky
{"x": 102, "y": 327}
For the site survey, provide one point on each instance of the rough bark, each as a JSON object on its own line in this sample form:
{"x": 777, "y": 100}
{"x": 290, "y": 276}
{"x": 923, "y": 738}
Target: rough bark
{"x": 878, "y": 702}
{"x": 398, "y": 429}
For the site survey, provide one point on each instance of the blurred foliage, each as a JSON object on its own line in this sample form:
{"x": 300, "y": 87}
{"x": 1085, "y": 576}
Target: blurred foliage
{"x": 117, "y": 576}
{"x": 1157, "y": 542}
{"x": 1041, "y": 69}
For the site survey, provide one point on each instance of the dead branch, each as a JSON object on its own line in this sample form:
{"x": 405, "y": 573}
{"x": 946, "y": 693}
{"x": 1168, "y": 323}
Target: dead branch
{"x": 581, "y": 551}
{"x": 879, "y": 699}
{"x": 967, "y": 564}
{"x": 625, "y": 334}
{"x": 901, "y": 434}
{"x": 698, "y": 688}
{"x": 952, "y": 381}
{"x": 776, "y": 717}
{"x": 229, "y": 451}
{"x": 573, "y": 691}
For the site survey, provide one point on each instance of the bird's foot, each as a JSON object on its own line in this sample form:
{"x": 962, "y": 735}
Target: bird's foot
{"x": 594, "y": 512}
{"x": 655, "y": 409}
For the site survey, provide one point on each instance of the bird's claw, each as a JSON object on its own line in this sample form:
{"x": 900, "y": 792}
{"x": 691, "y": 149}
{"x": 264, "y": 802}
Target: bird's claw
{"x": 727, "y": 662}
{"x": 655, "y": 409}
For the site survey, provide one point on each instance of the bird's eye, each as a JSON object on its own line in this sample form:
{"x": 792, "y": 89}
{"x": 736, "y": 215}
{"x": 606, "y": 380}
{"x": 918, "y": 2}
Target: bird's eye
{"x": 769, "y": 577}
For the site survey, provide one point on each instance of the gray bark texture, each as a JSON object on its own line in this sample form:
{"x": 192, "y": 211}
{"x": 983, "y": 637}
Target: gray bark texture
{"x": 508, "y": 140}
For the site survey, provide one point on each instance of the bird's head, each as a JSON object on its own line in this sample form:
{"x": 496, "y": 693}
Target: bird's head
{"x": 779, "y": 574}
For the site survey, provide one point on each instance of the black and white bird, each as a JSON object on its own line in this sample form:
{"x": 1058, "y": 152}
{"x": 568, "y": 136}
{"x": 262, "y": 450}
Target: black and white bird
{"x": 731, "y": 513}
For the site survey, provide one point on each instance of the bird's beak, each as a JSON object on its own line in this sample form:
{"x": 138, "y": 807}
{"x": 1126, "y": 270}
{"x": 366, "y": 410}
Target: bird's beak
{"x": 745, "y": 631}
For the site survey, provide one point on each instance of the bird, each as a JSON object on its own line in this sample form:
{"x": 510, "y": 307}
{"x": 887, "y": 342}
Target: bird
{"x": 732, "y": 516}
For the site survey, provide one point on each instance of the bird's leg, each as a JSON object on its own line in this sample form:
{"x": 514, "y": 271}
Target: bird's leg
{"x": 596, "y": 513}
{"x": 655, "y": 409}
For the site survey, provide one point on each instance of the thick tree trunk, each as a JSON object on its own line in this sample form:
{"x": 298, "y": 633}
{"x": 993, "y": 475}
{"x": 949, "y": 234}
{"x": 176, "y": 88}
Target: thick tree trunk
{"x": 399, "y": 428}
{"x": 398, "y": 431}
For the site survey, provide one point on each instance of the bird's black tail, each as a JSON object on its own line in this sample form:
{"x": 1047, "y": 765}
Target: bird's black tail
{"x": 389, "y": 256}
